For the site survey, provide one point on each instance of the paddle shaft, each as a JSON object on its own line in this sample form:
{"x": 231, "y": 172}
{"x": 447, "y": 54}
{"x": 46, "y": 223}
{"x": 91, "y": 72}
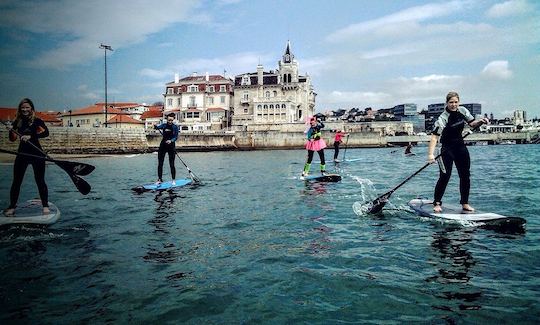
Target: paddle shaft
{"x": 345, "y": 151}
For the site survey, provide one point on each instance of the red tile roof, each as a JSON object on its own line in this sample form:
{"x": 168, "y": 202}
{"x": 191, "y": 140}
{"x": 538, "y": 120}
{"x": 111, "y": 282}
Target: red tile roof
{"x": 151, "y": 114}
{"x": 215, "y": 109}
{"x": 94, "y": 109}
{"x": 8, "y": 114}
{"x": 124, "y": 119}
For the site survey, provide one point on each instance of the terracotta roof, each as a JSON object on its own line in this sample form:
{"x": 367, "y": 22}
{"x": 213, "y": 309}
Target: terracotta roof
{"x": 8, "y": 114}
{"x": 151, "y": 114}
{"x": 94, "y": 109}
{"x": 123, "y": 119}
{"x": 156, "y": 108}
{"x": 215, "y": 109}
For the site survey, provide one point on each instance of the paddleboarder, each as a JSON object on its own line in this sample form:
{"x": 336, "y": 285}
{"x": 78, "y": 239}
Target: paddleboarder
{"x": 448, "y": 128}
{"x": 167, "y": 146}
{"x": 29, "y": 129}
{"x": 337, "y": 142}
{"x": 315, "y": 143}
{"x": 408, "y": 149}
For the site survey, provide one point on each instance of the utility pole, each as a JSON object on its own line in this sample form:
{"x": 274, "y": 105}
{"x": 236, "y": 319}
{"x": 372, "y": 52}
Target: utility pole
{"x": 105, "y": 48}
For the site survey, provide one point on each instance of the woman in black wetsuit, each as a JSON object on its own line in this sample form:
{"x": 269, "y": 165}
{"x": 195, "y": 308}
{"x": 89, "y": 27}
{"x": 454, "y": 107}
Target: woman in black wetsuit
{"x": 449, "y": 127}
{"x": 170, "y": 134}
{"x": 29, "y": 129}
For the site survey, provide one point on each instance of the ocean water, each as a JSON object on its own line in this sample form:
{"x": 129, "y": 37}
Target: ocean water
{"x": 255, "y": 245}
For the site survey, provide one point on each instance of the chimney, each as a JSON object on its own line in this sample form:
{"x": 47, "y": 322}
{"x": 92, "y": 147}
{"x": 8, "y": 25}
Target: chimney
{"x": 176, "y": 78}
{"x": 207, "y": 77}
{"x": 259, "y": 74}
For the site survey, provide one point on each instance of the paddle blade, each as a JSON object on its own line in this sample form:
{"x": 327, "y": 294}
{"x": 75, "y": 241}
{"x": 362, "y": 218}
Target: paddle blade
{"x": 80, "y": 183}
{"x": 76, "y": 168}
{"x": 378, "y": 204}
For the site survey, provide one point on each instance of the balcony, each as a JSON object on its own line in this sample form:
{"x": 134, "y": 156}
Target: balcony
{"x": 244, "y": 101}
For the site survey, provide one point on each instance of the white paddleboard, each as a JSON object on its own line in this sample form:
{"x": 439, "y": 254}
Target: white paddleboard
{"x": 31, "y": 212}
{"x": 451, "y": 212}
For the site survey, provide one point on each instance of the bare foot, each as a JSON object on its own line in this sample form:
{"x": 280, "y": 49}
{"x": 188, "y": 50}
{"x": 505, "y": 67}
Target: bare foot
{"x": 467, "y": 208}
{"x": 437, "y": 208}
{"x": 9, "y": 212}
{"x": 46, "y": 210}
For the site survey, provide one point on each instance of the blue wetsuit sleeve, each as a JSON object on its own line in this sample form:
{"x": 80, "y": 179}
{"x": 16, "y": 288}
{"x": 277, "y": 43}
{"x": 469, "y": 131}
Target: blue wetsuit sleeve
{"x": 160, "y": 126}
{"x": 175, "y": 133}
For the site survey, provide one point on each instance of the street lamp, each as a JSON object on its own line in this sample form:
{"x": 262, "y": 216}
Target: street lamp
{"x": 105, "y": 48}
{"x": 70, "y": 125}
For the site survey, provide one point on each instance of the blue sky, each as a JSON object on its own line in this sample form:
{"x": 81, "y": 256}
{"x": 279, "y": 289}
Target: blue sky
{"x": 359, "y": 53}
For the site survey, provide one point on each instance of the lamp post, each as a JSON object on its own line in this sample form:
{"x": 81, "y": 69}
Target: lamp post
{"x": 70, "y": 125}
{"x": 105, "y": 48}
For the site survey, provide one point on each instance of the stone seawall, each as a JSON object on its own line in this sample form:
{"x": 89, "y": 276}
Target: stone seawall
{"x": 86, "y": 140}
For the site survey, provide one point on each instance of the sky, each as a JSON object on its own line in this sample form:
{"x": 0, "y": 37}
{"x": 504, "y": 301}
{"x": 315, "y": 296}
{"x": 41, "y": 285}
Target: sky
{"x": 359, "y": 53}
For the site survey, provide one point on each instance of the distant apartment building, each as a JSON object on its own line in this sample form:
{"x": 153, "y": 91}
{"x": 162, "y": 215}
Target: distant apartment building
{"x": 409, "y": 113}
{"x": 200, "y": 103}
{"x": 273, "y": 97}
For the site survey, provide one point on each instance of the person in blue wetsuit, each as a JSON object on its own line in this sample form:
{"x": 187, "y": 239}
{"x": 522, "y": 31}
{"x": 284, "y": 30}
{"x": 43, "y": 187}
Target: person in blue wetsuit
{"x": 449, "y": 127}
{"x": 29, "y": 129}
{"x": 167, "y": 146}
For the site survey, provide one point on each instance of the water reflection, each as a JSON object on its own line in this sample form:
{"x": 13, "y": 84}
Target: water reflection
{"x": 454, "y": 263}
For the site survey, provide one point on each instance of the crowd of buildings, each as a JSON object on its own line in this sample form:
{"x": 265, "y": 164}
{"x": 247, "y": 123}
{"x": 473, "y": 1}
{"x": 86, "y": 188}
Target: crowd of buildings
{"x": 252, "y": 100}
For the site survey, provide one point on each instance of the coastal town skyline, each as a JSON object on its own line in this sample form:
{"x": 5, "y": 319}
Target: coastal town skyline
{"x": 366, "y": 55}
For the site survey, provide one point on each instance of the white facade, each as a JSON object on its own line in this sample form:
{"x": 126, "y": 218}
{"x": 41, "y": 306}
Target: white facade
{"x": 274, "y": 97}
{"x": 200, "y": 103}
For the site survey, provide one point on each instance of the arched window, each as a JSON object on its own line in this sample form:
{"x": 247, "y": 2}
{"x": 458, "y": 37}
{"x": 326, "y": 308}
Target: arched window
{"x": 267, "y": 94}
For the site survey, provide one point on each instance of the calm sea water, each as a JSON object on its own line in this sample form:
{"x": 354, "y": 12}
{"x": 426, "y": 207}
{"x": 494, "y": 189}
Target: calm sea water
{"x": 256, "y": 245}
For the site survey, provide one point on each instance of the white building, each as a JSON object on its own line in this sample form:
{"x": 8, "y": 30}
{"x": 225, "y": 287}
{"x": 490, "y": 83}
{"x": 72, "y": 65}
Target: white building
{"x": 200, "y": 103}
{"x": 273, "y": 97}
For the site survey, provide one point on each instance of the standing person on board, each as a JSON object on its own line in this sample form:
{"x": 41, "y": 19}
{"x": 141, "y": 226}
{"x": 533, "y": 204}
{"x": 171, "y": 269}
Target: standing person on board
{"x": 408, "y": 149}
{"x": 315, "y": 143}
{"x": 29, "y": 129}
{"x": 448, "y": 127}
{"x": 337, "y": 142}
{"x": 167, "y": 145}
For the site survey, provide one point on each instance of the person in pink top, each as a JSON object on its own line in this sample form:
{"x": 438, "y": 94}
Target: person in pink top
{"x": 337, "y": 142}
{"x": 315, "y": 143}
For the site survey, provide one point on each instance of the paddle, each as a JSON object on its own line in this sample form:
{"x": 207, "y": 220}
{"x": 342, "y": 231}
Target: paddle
{"x": 378, "y": 204}
{"x": 76, "y": 168}
{"x": 194, "y": 178}
{"x": 80, "y": 183}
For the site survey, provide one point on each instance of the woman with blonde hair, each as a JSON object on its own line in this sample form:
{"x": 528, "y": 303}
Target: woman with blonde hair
{"x": 29, "y": 129}
{"x": 448, "y": 128}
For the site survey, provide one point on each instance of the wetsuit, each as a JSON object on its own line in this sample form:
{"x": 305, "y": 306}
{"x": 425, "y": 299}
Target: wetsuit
{"x": 170, "y": 132}
{"x": 315, "y": 143}
{"x": 36, "y": 130}
{"x": 449, "y": 127}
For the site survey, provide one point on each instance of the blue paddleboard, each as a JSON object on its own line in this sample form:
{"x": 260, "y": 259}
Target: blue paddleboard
{"x": 321, "y": 178}
{"x": 163, "y": 186}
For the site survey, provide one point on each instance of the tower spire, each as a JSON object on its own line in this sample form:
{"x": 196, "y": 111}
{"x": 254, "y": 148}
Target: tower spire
{"x": 288, "y": 56}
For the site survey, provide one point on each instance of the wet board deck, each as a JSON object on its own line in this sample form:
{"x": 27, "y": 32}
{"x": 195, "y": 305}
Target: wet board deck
{"x": 31, "y": 212}
{"x": 322, "y": 178}
{"x": 163, "y": 186}
{"x": 451, "y": 212}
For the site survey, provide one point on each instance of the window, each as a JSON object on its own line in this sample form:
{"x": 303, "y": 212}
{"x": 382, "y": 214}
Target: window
{"x": 193, "y": 88}
{"x": 179, "y": 102}
{"x": 245, "y": 110}
{"x": 192, "y": 102}
{"x": 245, "y": 96}
{"x": 170, "y": 90}
{"x": 267, "y": 94}
{"x": 275, "y": 93}
{"x": 210, "y": 100}
{"x": 222, "y": 99}
{"x": 211, "y": 89}
{"x": 245, "y": 80}
{"x": 222, "y": 88}
{"x": 169, "y": 101}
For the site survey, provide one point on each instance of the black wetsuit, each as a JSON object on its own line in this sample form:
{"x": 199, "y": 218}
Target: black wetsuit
{"x": 453, "y": 150}
{"x": 170, "y": 132}
{"x": 36, "y": 130}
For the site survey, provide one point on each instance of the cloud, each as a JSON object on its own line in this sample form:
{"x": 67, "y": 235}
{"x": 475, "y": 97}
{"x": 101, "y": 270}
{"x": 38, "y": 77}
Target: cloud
{"x": 78, "y": 27}
{"x": 397, "y": 22}
{"x": 362, "y": 98}
{"x": 497, "y": 70}
{"x": 508, "y": 8}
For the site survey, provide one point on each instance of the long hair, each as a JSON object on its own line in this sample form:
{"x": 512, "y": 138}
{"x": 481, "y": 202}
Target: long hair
{"x": 17, "y": 123}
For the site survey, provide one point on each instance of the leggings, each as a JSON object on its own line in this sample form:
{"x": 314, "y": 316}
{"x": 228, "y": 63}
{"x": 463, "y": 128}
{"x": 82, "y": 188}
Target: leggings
{"x": 336, "y": 149}
{"x": 460, "y": 156}
{"x": 310, "y": 156}
{"x": 19, "y": 169}
{"x": 163, "y": 149}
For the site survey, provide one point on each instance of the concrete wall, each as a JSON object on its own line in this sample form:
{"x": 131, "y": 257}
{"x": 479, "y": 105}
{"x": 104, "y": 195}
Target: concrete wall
{"x": 86, "y": 140}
